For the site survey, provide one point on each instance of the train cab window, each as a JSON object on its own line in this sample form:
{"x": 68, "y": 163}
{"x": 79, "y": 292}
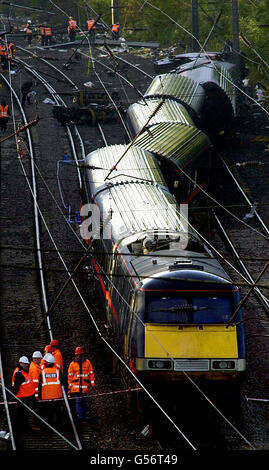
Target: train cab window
{"x": 166, "y": 309}
{"x": 212, "y": 309}
{"x": 188, "y": 309}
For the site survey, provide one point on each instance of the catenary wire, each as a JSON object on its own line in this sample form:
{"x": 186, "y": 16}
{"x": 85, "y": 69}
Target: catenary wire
{"x": 96, "y": 326}
{"x": 59, "y": 253}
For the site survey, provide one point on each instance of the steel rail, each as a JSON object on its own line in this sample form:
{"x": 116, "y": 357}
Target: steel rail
{"x": 37, "y": 229}
{"x": 18, "y": 400}
{"x": 132, "y": 65}
{"x": 257, "y": 291}
{"x": 75, "y": 87}
{"x": 118, "y": 74}
{"x": 2, "y": 383}
{"x": 178, "y": 429}
{"x": 58, "y": 100}
{"x": 36, "y": 212}
{"x": 255, "y": 213}
{"x": 34, "y": 189}
{"x": 187, "y": 374}
{"x": 50, "y": 65}
{"x": 75, "y": 127}
{"x": 125, "y": 364}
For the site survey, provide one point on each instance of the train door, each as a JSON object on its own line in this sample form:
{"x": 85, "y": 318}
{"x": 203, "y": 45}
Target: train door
{"x": 110, "y": 286}
{"x": 128, "y": 327}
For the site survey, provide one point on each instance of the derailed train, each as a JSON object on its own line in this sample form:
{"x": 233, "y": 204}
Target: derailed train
{"x": 167, "y": 299}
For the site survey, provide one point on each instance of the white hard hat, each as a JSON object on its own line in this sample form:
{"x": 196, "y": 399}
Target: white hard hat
{"x": 49, "y": 358}
{"x": 24, "y": 359}
{"x": 29, "y": 21}
{"x": 37, "y": 354}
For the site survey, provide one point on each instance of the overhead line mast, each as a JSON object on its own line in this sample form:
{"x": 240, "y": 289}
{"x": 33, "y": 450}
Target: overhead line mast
{"x": 114, "y": 11}
{"x": 235, "y": 25}
{"x": 195, "y": 25}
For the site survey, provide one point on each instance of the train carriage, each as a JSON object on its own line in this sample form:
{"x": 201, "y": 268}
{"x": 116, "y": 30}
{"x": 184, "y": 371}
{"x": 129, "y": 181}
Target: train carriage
{"x": 181, "y": 148}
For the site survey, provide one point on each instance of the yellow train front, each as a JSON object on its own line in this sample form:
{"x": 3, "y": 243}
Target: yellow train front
{"x": 181, "y": 319}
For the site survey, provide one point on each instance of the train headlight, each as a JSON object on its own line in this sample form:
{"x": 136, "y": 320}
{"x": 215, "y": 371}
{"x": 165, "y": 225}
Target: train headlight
{"x": 223, "y": 365}
{"x": 158, "y": 364}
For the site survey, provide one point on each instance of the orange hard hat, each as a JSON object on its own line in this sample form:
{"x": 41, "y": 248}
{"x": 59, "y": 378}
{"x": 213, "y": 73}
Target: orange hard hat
{"x": 48, "y": 348}
{"x": 79, "y": 350}
{"x": 54, "y": 342}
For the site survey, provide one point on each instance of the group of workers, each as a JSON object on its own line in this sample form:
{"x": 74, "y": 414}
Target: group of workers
{"x": 46, "y": 31}
{"x": 91, "y": 26}
{"x": 41, "y": 383}
{"x": 46, "y": 34}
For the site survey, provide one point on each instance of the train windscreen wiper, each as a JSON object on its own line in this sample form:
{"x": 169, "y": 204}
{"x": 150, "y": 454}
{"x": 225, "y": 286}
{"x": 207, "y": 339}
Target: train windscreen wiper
{"x": 181, "y": 308}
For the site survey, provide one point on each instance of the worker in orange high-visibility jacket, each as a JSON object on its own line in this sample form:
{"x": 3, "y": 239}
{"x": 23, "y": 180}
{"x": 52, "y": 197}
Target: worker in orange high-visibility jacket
{"x": 72, "y": 28}
{"x": 50, "y": 381}
{"x": 24, "y": 389}
{"x": 29, "y": 32}
{"x": 48, "y": 35}
{"x": 47, "y": 349}
{"x": 35, "y": 370}
{"x": 42, "y": 34}
{"x": 11, "y": 50}
{"x": 50, "y": 389}
{"x": 3, "y": 55}
{"x": 34, "y": 373}
{"x": 4, "y": 112}
{"x": 22, "y": 385}
{"x": 115, "y": 28}
{"x": 56, "y": 352}
{"x": 91, "y": 28}
{"x": 91, "y": 25}
{"x": 3, "y": 50}
{"x": 80, "y": 381}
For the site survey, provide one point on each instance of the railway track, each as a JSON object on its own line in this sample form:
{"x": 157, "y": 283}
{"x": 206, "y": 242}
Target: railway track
{"x": 241, "y": 241}
{"x": 54, "y": 279}
{"x": 46, "y": 171}
{"x": 38, "y": 273}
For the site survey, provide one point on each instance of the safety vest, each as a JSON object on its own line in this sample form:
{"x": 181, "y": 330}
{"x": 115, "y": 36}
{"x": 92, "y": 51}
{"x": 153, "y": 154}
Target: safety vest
{"x": 10, "y": 50}
{"x": 28, "y": 30}
{"x": 27, "y": 388}
{"x": 115, "y": 28}
{"x": 4, "y": 114}
{"x": 80, "y": 381}
{"x": 58, "y": 358}
{"x": 34, "y": 374}
{"x": 48, "y": 31}
{"x": 42, "y": 30}
{"x": 3, "y": 50}
{"x": 51, "y": 384}
{"x": 90, "y": 24}
{"x": 72, "y": 24}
